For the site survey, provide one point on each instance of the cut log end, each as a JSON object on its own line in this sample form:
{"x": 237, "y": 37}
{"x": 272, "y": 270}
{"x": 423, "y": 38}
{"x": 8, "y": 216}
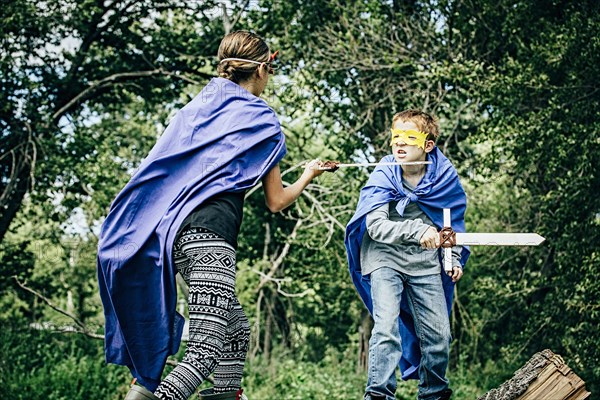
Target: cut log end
{"x": 544, "y": 376}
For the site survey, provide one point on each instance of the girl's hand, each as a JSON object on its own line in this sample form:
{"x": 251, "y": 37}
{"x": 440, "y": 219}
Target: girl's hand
{"x": 311, "y": 169}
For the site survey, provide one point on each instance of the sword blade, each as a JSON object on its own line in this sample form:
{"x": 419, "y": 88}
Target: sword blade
{"x": 376, "y": 164}
{"x": 499, "y": 239}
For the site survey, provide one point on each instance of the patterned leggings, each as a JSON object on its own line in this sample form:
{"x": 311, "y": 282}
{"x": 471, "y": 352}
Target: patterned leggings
{"x": 219, "y": 329}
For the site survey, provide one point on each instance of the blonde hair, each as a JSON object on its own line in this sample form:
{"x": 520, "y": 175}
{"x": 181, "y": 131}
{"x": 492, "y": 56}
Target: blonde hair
{"x": 241, "y": 44}
{"x": 424, "y": 121}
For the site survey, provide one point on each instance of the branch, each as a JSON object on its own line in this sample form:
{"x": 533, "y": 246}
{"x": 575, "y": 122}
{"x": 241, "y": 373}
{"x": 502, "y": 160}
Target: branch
{"x": 267, "y": 241}
{"x": 108, "y": 81}
{"x": 279, "y": 282}
{"x": 321, "y": 209}
{"x": 257, "y": 324}
{"x": 228, "y": 24}
{"x": 239, "y": 14}
{"x": 118, "y": 78}
{"x": 83, "y": 328}
{"x": 279, "y": 260}
{"x": 94, "y": 31}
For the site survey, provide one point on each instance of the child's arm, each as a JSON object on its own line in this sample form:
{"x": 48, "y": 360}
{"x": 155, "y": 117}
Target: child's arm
{"x": 430, "y": 238}
{"x": 381, "y": 229}
{"x": 279, "y": 197}
{"x": 456, "y": 256}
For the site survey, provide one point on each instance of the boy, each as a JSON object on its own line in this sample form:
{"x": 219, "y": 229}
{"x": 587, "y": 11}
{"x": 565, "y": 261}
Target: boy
{"x": 394, "y": 260}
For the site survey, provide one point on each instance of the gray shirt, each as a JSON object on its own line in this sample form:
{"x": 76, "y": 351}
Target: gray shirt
{"x": 392, "y": 241}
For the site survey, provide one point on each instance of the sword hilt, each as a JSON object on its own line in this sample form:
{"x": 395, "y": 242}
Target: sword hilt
{"x": 447, "y": 237}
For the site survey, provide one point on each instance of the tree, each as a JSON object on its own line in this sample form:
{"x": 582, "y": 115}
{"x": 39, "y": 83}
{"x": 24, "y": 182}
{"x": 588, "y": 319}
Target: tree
{"x": 66, "y": 64}
{"x": 362, "y": 62}
{"x": 88, "y": 86}
{"x": 540, "y": 129}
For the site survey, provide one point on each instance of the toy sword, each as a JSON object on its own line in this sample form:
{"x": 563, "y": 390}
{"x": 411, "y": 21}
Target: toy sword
{"x": 333, "y": 165}
{"x": 449, "y": 238}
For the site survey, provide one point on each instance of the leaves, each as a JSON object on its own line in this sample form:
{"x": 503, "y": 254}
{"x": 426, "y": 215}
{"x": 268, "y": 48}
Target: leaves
{"x": 88, "y": 86}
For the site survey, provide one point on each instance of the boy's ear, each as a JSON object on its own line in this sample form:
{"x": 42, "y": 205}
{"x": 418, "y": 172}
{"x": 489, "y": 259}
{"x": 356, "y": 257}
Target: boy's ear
{"x": 429, "y": 145}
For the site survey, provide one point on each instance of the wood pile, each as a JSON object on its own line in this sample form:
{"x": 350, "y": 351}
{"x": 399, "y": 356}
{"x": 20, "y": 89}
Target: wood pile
{"x": 544, "y": 377}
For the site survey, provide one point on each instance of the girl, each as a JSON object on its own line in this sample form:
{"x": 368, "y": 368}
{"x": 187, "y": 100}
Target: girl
{"x": 181, "y": 212}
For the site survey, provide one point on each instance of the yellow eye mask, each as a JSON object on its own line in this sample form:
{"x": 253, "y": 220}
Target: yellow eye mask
{"x": 410, "y": 137}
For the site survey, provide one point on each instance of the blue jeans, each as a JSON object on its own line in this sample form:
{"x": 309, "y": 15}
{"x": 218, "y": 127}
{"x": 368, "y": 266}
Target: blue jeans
{"x": 428, "y": 307}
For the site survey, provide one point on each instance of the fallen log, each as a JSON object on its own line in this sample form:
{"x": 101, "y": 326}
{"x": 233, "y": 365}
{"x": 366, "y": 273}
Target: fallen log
{"x": 544, "y": 377}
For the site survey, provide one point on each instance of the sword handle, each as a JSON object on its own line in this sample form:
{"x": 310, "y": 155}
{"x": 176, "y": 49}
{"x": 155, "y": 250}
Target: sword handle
{"x": 447, "y": 251}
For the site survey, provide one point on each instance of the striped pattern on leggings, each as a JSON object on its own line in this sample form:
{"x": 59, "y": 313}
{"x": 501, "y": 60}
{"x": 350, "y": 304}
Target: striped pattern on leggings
{"x": 219, "y": 329}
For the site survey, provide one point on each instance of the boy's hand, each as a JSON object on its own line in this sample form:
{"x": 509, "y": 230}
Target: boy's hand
{"x": 430, "y": 239}
{"x": 455, "y": 274}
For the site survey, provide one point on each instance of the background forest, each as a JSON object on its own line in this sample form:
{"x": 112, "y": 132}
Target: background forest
{"x": 87, "y": 86}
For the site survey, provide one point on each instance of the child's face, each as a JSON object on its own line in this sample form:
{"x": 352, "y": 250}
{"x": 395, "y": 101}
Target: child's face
{"x": 404, "y": 152}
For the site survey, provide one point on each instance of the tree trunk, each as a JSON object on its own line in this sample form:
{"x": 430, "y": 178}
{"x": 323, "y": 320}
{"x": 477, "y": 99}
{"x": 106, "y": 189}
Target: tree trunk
{"x": 267, "y": 335}
{"x": 364, "y": 334}
{"x": 12, "y": 200}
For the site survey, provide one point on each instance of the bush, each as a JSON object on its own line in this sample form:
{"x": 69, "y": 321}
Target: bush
{"x": 44, "y": 365}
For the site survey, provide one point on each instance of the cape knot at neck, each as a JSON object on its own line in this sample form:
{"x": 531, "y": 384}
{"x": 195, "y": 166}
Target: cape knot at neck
{"x": 413, "y": 197}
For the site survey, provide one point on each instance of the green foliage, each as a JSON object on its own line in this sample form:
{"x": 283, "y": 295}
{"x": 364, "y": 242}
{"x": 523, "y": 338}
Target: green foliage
{"x": 335, "y": 376}
{"x": 66, "y": 65}
{"x": 509, "y": 80}
{"x": 16, "y": 261}
{"x": 45, "y": 365}
{"x": 540, "y": 129}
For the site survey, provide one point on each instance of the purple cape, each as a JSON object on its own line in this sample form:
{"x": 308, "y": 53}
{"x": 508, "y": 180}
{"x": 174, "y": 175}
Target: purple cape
{"x": 439, "y": 189}
{"x": 225, "y": 139}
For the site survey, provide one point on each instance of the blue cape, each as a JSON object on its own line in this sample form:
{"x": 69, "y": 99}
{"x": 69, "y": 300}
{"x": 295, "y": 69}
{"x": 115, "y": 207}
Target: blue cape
{"x": 225, "y": 139}
{"x": 440, "y": 188}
